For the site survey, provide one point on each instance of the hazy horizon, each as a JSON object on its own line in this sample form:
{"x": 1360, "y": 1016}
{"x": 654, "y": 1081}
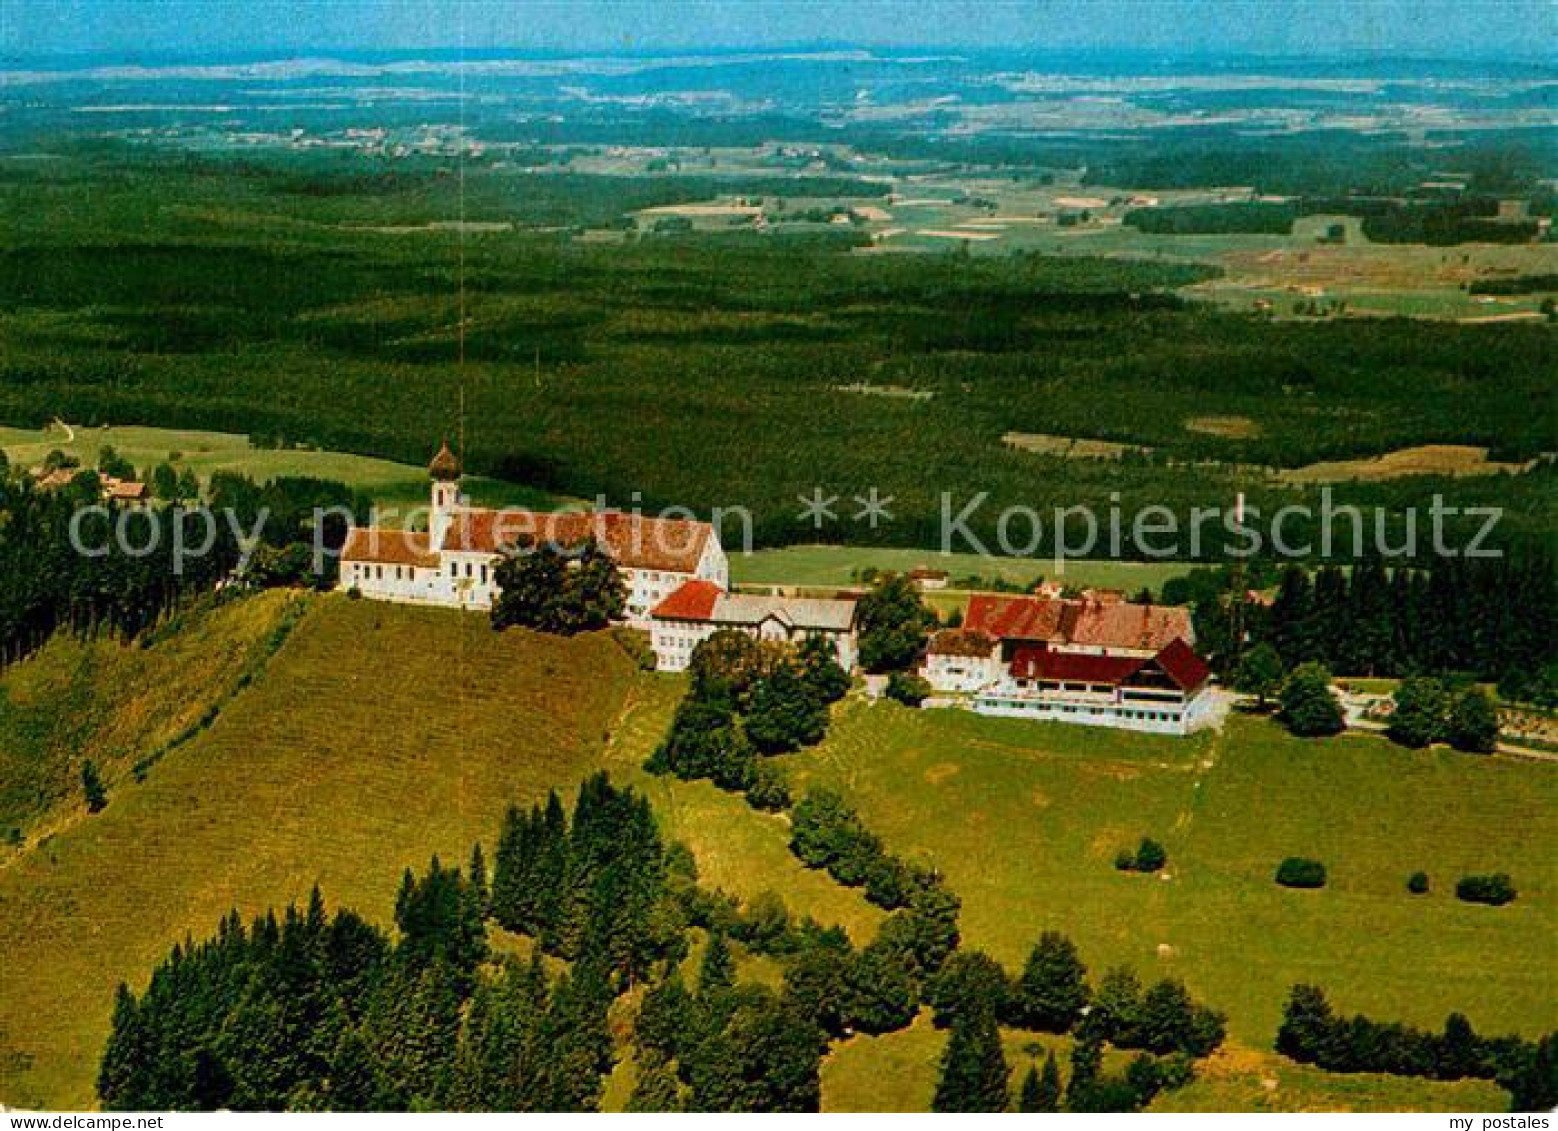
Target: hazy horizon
{"x": 1325, "y": 30}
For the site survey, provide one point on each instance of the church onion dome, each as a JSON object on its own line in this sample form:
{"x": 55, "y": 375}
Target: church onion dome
{"x": 445, "y": 464}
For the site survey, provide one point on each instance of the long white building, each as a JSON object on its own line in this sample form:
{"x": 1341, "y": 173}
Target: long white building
{"x": 453, "y": 562}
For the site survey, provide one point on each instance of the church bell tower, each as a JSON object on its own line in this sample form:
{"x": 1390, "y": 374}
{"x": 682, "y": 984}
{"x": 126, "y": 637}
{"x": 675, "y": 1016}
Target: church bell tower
{"x": 445, "y": 471}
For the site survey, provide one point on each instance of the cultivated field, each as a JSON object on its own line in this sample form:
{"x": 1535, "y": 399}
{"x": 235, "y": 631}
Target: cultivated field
{"x": 376, "y": 737}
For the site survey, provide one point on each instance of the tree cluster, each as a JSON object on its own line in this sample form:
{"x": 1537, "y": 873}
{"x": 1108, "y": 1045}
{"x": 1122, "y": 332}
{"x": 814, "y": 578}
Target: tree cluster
{"x": 1312, "y": 1033}
{"x": 1487, "y": 617}
{"x": 1429, "y": 710}
{"x": 1150, "y": 856}
{"x": 825, "y": 832}
{"x": 311, "y": 1012}
{"x": 593, "y": 887}
{"x": 1495, "y": 890}
{"x": 47, "y": 584}
{"x": 893, "y": 623}
{"x": 750, "y": 698}
{"x": 559, "y": 590}
{"x": 973, "y": 994}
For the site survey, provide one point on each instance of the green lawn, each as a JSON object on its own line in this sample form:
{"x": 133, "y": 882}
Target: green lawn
{"x": 376, "y": 736}
{"x": 840, "y": 565}
{"x": 1025, "y": 819}
{"x": 387, "y": 483}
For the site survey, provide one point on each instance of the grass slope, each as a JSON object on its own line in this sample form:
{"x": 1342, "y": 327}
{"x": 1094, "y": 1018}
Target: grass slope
{"x": 120, "y": 704}
{"x": 738, "y": 849}
{"x": 1025, "y": 819}
{"x": 377, "y": 736}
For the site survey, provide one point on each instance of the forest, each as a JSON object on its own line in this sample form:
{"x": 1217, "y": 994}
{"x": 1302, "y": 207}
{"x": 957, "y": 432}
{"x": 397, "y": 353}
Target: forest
{"x": 315, "y": 331}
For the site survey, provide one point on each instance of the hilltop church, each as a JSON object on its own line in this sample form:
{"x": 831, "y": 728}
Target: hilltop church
{"x": 453, "y": 562}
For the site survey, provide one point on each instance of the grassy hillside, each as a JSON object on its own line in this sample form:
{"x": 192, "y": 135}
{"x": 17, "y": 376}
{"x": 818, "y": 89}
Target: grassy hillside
{"x": 1026, "y": 818}
{"x": 376, "y": 737}
{"x": 738, "y": 849}
{"x": 121, "y": 704}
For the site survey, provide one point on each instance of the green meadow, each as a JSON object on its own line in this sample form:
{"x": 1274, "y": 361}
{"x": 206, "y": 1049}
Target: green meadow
{"x": 1025, "y": 820}
{"x": 335, "y": 742}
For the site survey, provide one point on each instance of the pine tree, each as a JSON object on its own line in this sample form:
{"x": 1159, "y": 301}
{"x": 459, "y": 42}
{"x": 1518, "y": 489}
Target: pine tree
{"x": 1052, "y": 988}
{"x": 1028, "y": 1097}
{"x": 973, "y": 1067}
{"x": 1049, "y": 1085}
{"x": 476, "y": 883}
{"x": 1087, "y": 1058}
{"x": 717, "y": 972}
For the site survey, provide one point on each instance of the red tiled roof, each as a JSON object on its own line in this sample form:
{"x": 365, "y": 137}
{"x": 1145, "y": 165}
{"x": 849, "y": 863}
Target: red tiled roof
{"x": 635, "y": 541}
{"x": 1181, "y": 664}
{"x": 1141, "y": 627}
{"x": 693, "y": 601}
{"x": 388, "y": 547}
{"x": 1013, "y": 618}
{"x": 1078, "y": 667}
{"x": 1178, "y": 661}
{"x": 1130, "y": 626}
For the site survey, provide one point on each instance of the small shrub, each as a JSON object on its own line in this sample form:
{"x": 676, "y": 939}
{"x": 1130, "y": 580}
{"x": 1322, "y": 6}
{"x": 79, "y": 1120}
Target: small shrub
{"x": 1417, "y": 883}
{"x": 769, "y": 790}
{"x": 1495, "y": 890}
{"x": 910, "y": 690}
{"x": 1150, "y": 856}
{"x": 92, "y": 786}
{"x": 1298, "y": 872}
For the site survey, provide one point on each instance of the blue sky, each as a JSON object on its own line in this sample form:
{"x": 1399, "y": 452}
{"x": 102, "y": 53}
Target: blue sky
{"x": 1445, "y": 28}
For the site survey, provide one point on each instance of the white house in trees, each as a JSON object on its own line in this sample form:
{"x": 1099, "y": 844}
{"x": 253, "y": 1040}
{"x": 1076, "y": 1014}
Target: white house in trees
{"x": 453, "y": 562}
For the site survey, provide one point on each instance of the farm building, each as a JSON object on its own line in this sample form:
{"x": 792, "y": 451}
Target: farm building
{"x": 454, "y": 561}
{"x": 699, "y": 609}
{"x": 1100, "y": 663}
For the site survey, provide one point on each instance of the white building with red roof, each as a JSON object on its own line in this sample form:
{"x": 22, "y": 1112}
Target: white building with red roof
{"x": 454, "y": 562}
{"x": 699, "y": 609}
{"x": 1089, "y": 661}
